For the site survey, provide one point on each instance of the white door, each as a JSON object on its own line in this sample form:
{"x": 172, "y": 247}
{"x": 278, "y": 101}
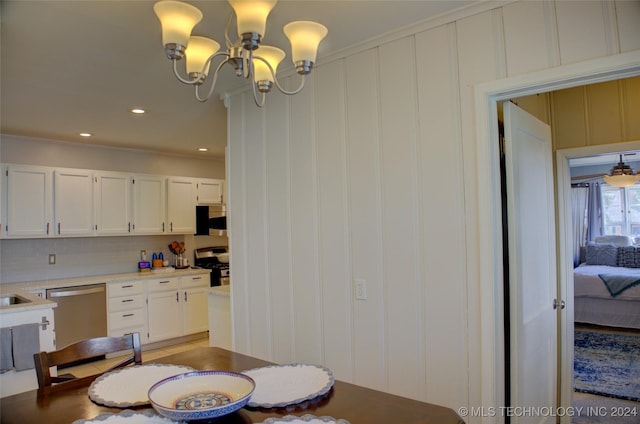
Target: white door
{"x": 532, "y": 265}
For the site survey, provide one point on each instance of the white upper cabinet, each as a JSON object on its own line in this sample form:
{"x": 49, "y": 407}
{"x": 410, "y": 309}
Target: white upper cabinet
{"x": 39, "y": 201}
{"x": 210, "y": 191}
{"x": 113, "y": 203}
{"x": 181, "y": 205}
{"x": 148, "y": 204}
{"x": 73, "y": 205}
{"x": 28, "y": 201}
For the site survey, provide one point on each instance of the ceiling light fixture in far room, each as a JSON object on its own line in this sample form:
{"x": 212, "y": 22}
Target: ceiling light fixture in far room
{"x": 85, "y": 134}
{"x": 138, "y": 111}
{"x": 621, "y": 175}
{"x": 203, "y": 149}
{"x": 250, "y": 59}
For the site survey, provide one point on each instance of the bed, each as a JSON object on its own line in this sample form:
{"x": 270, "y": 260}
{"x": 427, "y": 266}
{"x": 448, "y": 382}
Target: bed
{"x": 613, "y": 306}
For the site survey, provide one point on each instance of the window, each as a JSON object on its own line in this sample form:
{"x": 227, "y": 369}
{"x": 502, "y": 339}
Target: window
{"x": 621, "y": 210}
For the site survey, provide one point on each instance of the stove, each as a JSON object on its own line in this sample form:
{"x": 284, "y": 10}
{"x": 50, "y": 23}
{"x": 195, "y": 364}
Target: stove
{"x": 210, "y": 258}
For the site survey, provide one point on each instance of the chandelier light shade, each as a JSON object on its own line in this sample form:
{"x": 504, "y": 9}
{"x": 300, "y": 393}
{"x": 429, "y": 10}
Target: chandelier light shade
{"x": 252, "y": 19}
{"x": 304, "y": 37}
{"x": 177, "y": 20}
{"x": 621, "y": 175}
{"x": 198, "y": 52}
{"x": 264, "y": 70}
{"x": 250, "y": 58}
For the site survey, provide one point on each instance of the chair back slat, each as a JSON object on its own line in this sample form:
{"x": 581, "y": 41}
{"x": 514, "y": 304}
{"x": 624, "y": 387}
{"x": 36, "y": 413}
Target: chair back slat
{"x": 84, "y": 350}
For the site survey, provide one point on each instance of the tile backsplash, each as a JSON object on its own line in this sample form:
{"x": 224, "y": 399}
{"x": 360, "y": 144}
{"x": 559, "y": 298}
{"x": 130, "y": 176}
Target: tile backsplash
{"x": 28, "y": 259}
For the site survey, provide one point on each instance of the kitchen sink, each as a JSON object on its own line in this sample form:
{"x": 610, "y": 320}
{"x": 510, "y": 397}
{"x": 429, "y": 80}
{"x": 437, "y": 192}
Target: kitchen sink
{"x": 13, "y": 299}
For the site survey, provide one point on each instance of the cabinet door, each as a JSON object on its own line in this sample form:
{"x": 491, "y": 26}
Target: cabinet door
{"x": 28, "y": 202}
{"x": 164, "y": 315}
{"x": 181, "y": 205}
{"x": 113, "y": 197}
{"x": 210, "y": 191}
{"x": 148, "y": 205}
{"x": 195, "y": 315}
{"x": 73, "y": 202}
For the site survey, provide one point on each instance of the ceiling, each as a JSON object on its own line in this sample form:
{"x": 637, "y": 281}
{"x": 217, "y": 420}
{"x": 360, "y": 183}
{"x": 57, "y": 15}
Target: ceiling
{"x": 80, "y": 66}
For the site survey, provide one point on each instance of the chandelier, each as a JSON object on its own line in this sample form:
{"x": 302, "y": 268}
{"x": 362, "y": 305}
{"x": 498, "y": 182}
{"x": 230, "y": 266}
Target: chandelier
{"x": 250, "y": 58}
{"x": 621, "y": 175}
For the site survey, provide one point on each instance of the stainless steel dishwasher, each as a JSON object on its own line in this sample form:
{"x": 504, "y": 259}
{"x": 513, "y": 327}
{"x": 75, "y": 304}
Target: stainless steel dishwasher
{"x": 81, "y": 313}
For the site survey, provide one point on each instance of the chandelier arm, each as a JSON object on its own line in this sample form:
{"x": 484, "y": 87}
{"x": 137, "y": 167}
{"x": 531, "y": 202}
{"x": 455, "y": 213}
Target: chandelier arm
{"x": 303, "y": 80}
{"x": 182, "y": 79}
{"x": 275, "y": 79}
{"x": 227, "y": 28}
{"x": 213, "y": 83}
{"x": 260, "y": 102}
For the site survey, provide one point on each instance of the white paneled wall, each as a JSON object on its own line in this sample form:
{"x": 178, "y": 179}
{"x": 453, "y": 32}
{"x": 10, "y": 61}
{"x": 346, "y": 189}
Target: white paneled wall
{"x": 371, "y": 174}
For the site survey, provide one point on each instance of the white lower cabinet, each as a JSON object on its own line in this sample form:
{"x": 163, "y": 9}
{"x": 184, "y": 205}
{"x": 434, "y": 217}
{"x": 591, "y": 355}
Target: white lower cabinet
{"x": 127, "y": 309}
{"x": 159, "y": 308}
{"x": 195, "y": 316}
{"x": 163, "y": 297}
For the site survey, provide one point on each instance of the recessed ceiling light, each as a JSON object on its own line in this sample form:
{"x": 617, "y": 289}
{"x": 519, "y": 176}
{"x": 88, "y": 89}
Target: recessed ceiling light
{"x": 202, "y": 149}
{"x": 85, "y": 134}
{"x": 138, "y": 111}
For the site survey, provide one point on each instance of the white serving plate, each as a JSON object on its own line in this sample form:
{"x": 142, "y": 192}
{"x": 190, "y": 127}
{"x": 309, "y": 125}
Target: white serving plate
{"x": 201, "y": 395}
{"x": 282, "y": 385}
{"x": 129, "y": 386}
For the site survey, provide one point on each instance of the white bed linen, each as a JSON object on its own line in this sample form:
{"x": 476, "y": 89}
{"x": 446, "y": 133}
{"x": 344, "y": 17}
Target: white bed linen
{"x": 586, "y": 282}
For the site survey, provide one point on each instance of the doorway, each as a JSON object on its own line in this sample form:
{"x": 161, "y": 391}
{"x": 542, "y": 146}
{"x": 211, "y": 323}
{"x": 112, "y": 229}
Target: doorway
{"x": 488, "y": 171}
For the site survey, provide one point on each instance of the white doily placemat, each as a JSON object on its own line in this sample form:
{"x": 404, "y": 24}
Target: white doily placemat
{"x": 128, "y": 386}
{"x": 305, "y": 419}
{"x": 127, "y": 416}
{"x": 282, "y": 385}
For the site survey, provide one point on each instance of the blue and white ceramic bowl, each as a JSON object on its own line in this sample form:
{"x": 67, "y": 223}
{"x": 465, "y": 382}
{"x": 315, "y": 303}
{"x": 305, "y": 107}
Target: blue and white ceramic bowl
{"x": 201, "y": 395}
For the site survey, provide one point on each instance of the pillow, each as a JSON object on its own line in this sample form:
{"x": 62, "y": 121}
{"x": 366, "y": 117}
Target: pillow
{"x": 602, "y": 254}
{"x": 628, "y": 256}
{"x": 617, "y": 240}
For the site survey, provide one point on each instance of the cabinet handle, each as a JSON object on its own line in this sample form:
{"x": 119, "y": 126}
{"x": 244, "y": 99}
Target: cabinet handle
{"x": 196, "y": 278}
{"x": 127, "y": 286}
{"x": 127, "y": 315}
{"x": 127, "y": 300}
{"x": 129, "y": 227}
{"x": 47, "y": 228}
{"x": 185, "y": 296}
{"x": 163, "y": 227}
{"x": 59, "y": 228}
{"x": 171, "y": 227}
{"x": 177, "y": 297}
{"x": 165, "y": 282}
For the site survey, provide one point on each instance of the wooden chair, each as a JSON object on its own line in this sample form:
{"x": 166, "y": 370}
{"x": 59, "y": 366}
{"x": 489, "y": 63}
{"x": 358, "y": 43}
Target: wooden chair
{"x": 86, "y": 349}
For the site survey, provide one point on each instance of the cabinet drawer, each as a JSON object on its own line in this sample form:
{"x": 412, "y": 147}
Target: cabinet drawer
{"x": 163, "y": 284}
{"x": 125, "y": 288}
{"x": 202, "y": 280}
{"x": 126, "y": 302}
{"x": 127, "y": 319}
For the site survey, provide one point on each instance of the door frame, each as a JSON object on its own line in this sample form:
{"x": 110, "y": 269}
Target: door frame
{"x": 489, "y": 248}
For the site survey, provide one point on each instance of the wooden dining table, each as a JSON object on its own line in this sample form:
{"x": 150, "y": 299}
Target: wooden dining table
{"x": 68, "y": 402}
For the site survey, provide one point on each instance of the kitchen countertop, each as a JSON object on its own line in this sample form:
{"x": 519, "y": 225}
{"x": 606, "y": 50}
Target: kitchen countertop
{"x": 24, "y": 288}
{"x": 35, "y": 302}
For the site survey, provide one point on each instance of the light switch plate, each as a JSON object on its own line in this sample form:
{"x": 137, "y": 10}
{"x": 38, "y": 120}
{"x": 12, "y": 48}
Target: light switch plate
{"x": 52, "y": 259}
{"x": 361, "y": 289}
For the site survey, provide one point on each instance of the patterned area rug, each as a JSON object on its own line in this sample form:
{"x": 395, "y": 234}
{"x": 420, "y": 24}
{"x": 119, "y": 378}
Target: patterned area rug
{"x": 607, "y": 364}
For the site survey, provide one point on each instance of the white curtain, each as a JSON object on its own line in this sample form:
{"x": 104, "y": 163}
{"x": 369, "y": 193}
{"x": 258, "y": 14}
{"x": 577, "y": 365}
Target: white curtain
{"x": 579, "y": 203}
